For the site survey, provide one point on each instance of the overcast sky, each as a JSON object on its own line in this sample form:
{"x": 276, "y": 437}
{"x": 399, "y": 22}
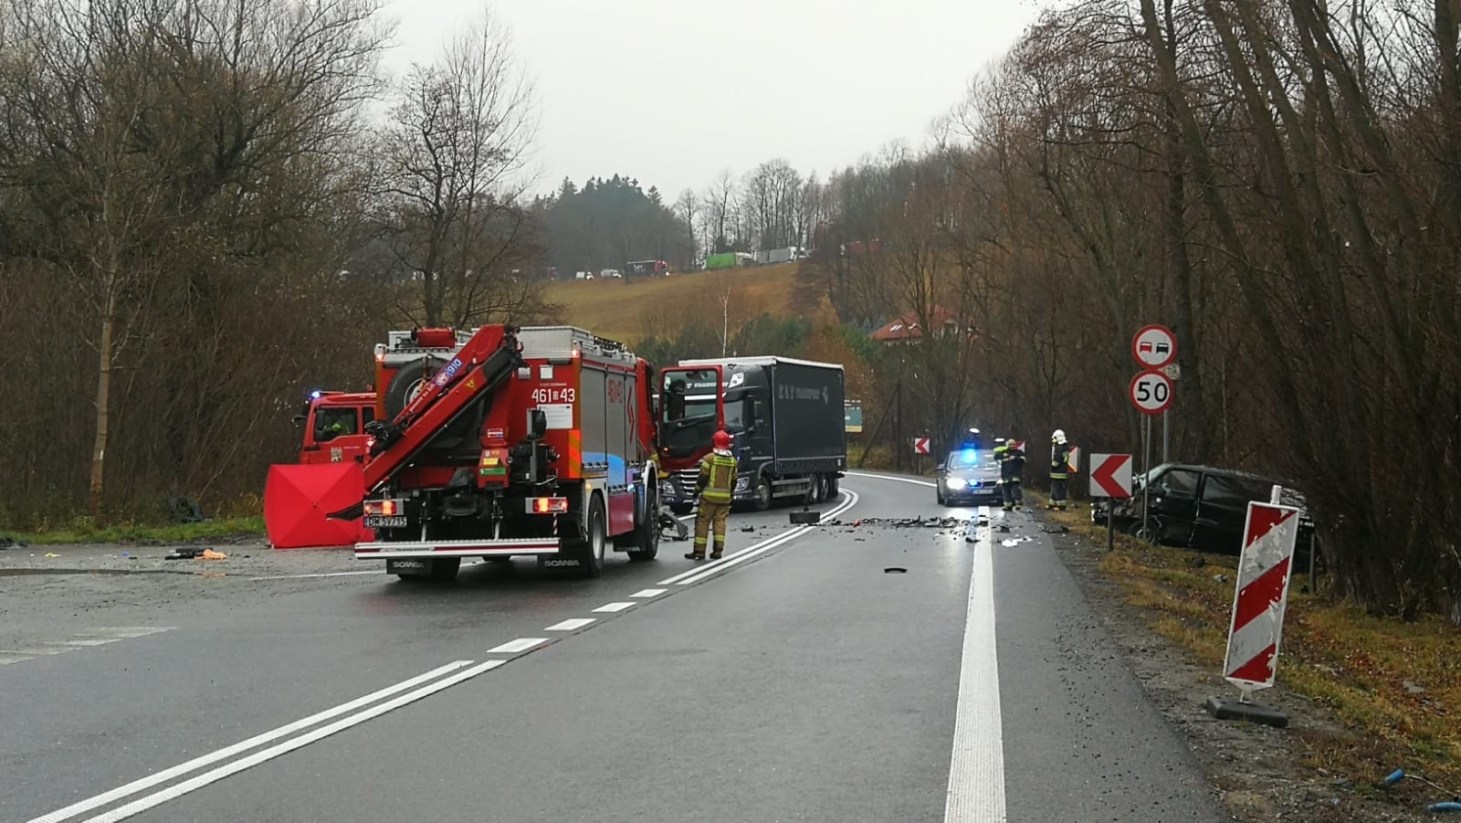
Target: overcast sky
{"x": 673, "y": 91}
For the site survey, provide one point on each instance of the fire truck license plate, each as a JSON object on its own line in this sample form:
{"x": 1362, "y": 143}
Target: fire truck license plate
{"x": 383, "y": 522}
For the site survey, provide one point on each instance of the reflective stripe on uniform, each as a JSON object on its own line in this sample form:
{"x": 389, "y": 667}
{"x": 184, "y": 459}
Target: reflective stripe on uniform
{"x": 719, "y": 471}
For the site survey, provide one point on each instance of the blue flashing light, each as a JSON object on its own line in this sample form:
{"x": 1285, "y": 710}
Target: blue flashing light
{"x": 970, "y": 456}
{"x": 315, "y": 395}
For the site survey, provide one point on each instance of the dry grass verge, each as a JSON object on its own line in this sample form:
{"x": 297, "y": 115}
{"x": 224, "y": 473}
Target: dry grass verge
{"x": 1392, "y": 689}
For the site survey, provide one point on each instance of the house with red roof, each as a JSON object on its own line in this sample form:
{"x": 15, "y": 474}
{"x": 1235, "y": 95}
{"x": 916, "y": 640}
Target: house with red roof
{"x": 909, "y": 328}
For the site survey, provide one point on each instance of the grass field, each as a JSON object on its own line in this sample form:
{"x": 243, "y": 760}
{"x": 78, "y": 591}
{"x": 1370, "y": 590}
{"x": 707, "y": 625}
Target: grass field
{"x": 630, "y": 309}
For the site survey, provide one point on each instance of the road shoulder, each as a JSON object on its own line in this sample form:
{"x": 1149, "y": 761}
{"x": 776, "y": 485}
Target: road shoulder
{"x": 1261, "y": 772}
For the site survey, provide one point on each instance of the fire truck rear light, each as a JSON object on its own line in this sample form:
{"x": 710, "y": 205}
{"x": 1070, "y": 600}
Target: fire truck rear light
{"x": 548, "y": 505}
{"x": 385, "y": 508}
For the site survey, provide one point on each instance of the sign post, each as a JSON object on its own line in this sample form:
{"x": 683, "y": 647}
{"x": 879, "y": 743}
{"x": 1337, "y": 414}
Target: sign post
{"x": 1154, "y": 347}
{"x": 1261, "y": 595}
{"x": 1151, "y": 393}
{"x": 1111, "y": 478}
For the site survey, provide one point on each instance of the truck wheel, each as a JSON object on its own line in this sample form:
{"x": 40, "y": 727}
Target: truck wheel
{"x": 646, "y": 534}
{"x": 444, "y": 569}
{"x": 592, "y": 550}
{"x": 832, "y": 487}
{"x": 441, "y": 570}
{"x": 762, "y": 501}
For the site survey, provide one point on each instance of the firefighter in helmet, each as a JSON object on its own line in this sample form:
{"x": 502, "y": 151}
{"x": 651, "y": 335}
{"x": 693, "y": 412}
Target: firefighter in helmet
{"x": 1011, "y": 458}
{"x": 716, "y": 484}
{"x": 1059, "y": 469}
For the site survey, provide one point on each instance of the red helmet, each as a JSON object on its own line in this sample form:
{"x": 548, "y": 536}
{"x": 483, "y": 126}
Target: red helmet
{"x": 721, "y": 440}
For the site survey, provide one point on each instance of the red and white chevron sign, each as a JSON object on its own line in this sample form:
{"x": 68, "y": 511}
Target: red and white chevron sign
{"x": 1263, "y": 587}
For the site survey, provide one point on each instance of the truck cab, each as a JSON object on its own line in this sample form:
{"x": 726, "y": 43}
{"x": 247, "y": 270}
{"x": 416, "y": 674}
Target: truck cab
{"x": 332, "y": 426}
{"x": 786, "y": 419}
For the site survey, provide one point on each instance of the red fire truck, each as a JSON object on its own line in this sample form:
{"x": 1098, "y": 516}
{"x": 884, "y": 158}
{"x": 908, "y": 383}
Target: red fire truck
{"x": 504, "y": 442}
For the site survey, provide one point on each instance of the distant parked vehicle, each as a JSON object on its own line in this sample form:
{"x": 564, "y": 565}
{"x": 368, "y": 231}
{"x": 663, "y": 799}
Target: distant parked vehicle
{"x": 610, "y": 273}
{"x": 647, "y": 268}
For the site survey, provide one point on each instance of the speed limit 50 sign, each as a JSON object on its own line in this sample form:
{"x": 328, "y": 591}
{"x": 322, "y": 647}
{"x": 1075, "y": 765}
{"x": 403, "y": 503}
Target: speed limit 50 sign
{"x": 1151, "y": 392}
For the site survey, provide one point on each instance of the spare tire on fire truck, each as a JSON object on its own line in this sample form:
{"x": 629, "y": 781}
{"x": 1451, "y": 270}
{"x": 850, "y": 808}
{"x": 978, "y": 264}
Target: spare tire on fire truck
{"x": 407, "y": 382}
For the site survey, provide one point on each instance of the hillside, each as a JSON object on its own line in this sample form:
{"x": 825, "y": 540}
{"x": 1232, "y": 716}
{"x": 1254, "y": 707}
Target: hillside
{"x": 630, "y": 309}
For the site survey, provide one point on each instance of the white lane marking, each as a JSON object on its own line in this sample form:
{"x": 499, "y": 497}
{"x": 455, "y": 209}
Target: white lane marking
{"x": 193, "y": 784}
{"x": 316, "y": 574}
{"x": 928, "y": 483}
{"x": 849, "y": 500}
{"x": 92, "y": 642}
{"x": 253, "y": 742}
{"x": 37, "y": 652}
{"x": 612, "y": 608}
{"x": 128, "y": 632}
{"x": 765, "y": 546}
{"x": 976, "y": 768}
{"x": 376, "y": 571}
{"x": 521, "y": 644}
{"x": 571, "y": 625}
{"x": 649, "y": 593}
{"x": 6, "y": 661}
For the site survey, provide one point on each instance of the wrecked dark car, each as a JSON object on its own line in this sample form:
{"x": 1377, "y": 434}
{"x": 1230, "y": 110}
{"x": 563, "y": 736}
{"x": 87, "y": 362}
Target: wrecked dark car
{"x": 1200, "y": 507}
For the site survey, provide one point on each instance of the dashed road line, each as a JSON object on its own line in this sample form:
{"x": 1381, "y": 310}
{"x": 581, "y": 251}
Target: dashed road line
{"x": 518, "y": 646}
{"x": 612, "y": 608}
{"x": 649, "y": 593}
{"x": 573, "y": 624}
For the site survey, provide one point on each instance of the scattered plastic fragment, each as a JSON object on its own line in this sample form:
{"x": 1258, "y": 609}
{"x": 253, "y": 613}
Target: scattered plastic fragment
{"x": 209, "y": 554}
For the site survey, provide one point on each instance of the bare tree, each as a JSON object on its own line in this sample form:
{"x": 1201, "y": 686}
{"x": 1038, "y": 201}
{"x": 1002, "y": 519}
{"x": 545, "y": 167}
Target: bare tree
{"x": 720, "y": 202}
{"x": 460, "y": 130}
{"x": 687, "y": 208}
{"x": 136, "y": 121}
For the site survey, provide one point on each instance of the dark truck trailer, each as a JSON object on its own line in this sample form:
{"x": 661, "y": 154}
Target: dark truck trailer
{"x": 786, "y": 418}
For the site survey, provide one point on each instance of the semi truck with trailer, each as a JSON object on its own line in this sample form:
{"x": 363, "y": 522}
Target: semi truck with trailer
{"x": 505, "y": 442}
{"x": 786, "y": 418}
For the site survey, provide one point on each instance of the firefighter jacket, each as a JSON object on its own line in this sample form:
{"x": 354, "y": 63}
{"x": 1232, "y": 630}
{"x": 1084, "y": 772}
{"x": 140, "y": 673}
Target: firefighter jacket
{"x": 717, "y": 481}
{"x": 1060, "y": 461}
{"x": 1011, "y": 463}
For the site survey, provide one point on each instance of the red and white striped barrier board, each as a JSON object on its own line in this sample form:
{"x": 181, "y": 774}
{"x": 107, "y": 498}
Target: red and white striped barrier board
{"x": 1262, "y": 593}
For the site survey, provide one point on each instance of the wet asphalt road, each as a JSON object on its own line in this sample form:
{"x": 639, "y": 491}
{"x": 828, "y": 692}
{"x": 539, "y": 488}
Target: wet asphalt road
{"x": 795, "y": 680}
